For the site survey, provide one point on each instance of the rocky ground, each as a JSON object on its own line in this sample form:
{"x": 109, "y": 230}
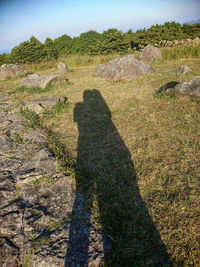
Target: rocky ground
{"x": 42, "y": 217}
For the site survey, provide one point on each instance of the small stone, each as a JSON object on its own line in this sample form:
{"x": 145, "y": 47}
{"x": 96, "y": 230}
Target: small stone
{"x": 62, "y": 67}
{"x": 9, "y": 255}
{"x": 4, "y": 96}
{"x": 149, "y": 53}
{"x": 181, "y": 70}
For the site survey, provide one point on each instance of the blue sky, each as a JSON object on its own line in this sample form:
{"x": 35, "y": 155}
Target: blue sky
{"x": 20, "y": 19}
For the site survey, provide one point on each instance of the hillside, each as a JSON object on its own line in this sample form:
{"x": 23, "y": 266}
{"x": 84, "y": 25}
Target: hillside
{"x": 148, "y": 210}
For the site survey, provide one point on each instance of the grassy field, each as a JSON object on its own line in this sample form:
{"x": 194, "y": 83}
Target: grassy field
{"x": 138, "y": 156}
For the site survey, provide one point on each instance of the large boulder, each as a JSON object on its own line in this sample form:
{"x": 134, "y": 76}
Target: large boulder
{"x": 35, "y": 80}
{"x": 125, "y": 67}
{"x": 181, "y": 70}
{"x": 191, "y": 87}
{"x": 39, "y": 105}
{"x": 62, "y": 67}
{"x": 11, "y": 71}
{"x": 149, "y": 53}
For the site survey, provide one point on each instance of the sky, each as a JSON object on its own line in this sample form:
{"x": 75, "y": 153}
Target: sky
{"x": 21, "y": 19}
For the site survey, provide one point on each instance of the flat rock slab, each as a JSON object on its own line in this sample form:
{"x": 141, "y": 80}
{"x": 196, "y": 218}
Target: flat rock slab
{"x": 191, "y": 87}
{"x": 181, "y": 70}
{"x": 125, "y": 67}
{"x": 11, "y": 71}
{"x": 7, "y": 188}
{"x": 35, "y": 80}
{"x": 149, "y": 53}
{"x": 42, "y": 163}
{"x": 39, "y": 105}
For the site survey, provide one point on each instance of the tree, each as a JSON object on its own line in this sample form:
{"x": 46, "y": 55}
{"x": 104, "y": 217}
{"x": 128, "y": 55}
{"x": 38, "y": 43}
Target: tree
{"x": 49, "y": 49}
{"x": 85, "y": 43}
{"x": 28, "y": 51}
{"x": 63, "y": 44}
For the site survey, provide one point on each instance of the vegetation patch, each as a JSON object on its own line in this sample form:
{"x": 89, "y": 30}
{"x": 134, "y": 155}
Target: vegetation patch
{"x": 34, "y": 90}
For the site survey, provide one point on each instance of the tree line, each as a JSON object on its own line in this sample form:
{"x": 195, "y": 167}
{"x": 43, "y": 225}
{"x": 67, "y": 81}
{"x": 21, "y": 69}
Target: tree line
{"x": 93, "y": 43}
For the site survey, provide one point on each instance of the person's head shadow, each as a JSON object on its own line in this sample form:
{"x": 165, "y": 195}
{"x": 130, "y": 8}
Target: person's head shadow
{"x": 110, "y": 178}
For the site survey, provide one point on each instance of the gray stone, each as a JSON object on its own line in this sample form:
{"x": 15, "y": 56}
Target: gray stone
{"x": 33, "y": 136}
{"x": 24, "y": 151}
{"x": 6, "y": 145}
{"x": 34, "y": 80}
{"x": 6, "y": 105}
{"x": 62, "y": 67}
{"x": 9, "y": 253}
{"x": 11, "y": 71}
{"x": 5, "y": 123}
{"x": 9, "y": 164}
{"x": 15, "y": 128}
{"x": 191, "y": 87}
{"x": 149, "y": 53}
{"x": 11, "y": 220}
{"x": 7, "y": 188}
{"x": 38, "y": 105}
{"x": 181, "y": 70}
{"x": 125, "y": 67}
{"x": 4, "y": 96}
{"x": 42, "y": 163}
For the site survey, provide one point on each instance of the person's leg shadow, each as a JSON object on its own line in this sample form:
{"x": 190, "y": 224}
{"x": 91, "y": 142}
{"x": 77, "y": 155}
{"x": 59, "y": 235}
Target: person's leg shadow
{"x": 109, "y": 178}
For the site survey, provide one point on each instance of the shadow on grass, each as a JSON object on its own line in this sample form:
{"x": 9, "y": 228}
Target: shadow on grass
{"x": 109, "y": 178}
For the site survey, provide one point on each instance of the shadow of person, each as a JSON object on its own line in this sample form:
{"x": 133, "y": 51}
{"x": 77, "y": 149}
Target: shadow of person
{"x": 109, "y": 184}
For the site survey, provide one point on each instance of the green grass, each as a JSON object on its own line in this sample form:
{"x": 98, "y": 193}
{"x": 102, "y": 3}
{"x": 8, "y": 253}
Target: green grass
{"x": 34, "y": 90}
{"x": 186, "y": 51}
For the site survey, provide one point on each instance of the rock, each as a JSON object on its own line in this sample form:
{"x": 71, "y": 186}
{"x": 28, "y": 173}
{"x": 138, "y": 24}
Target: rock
{"x": 4, "y": 96}
{"x": 9, "y": 253}
{"x": 33, "y": 136}
{"x": 38, "y": 105}
{"x": 191, "y": 87}
{"x": 6, "y": 105}
{"x": 6, "y": 145}
{"x": 34, "y": 80}
{"x": 11, "y": 220}
{"x": 11, "y": 71}
{"x": 42, "y": 163}
{"x": 181, "y": 70}
{"x": 9, "y": 164}
{"x": 15, "y": 128}
{"x": 62, "y": 67}
{"x": 125, "y": 67}
{"x": 7, "y": 188}
{"x": 55, "y": 198}
{"x": 149, "y": 53}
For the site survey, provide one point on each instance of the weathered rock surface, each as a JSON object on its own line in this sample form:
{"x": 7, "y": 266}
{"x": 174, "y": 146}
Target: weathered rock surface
{"x": 38, "y": 105}
{"x": 149, "y": 53}
{"x": 11, "y": 71}
{"x": 191, "y": 87}
{"x": 40, "y": 210}
{"x": 35, "y": 80}
{"x": 62, "y": 67}
{"x": 181, "y": 70}
{"x": 125, "y": 67}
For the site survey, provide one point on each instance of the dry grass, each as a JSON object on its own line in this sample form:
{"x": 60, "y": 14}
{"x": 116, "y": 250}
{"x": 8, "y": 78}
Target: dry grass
{"x": 160, "y": 135}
